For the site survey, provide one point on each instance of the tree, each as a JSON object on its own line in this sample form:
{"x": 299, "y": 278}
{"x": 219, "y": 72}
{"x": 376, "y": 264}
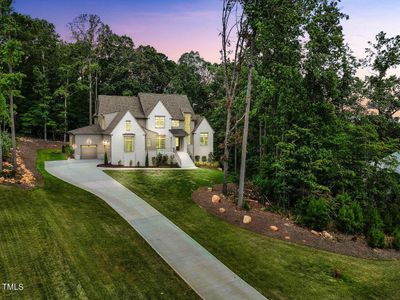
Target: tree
{"x": 384, "y": 90}
{"x": 11, "y": 54}
{"x": 86, "y": 30}
{"x": 232, "y": 59}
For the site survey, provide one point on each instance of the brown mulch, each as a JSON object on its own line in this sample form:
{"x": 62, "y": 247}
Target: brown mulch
{"x": 28, "y": 148}
{"x": 287, "y": 229}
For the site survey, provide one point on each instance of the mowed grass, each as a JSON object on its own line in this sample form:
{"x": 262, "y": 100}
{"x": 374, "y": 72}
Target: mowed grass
{"x": 278, "y": 269}
{"x": 61, "y": 242}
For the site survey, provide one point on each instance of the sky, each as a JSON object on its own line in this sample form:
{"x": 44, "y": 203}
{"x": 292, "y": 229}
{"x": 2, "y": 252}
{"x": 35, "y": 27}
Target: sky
{"x": 174, "y": 27}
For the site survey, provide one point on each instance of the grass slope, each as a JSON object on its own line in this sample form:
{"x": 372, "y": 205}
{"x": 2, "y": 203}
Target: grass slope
{"x": 62, "y": 242}
{"x": 278, "y": 269}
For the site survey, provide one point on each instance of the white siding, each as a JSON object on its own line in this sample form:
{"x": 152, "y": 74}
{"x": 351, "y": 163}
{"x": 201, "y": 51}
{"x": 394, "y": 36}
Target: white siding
{"x": 117, "y": 143}
{"x": 160, "y": 110}
{"x": 203, "y": 150}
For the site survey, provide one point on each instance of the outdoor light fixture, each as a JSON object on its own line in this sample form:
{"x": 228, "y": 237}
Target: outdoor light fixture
{"x": 106, "y": 143}
{"x": 74, "y": 146}
{"x": 89, "y": 141}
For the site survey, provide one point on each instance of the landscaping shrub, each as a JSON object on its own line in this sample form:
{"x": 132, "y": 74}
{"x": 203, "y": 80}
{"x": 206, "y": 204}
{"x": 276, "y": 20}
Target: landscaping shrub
{"x": 6, "y": 144}
{"x": 154, "y": 161}
{"x": 164, "y": 159}
{"x": 67, "y": 149}
{"x": 204, "y": 158}
{"x": 146, "y": 163}
{"x": 376, "y": 238}
{"x": 197, "y": 158}
{"x": 130, "y": 163}
{"x": 315, "y": 213}
{"x": 138, "y": 164}
{"x": 172, "y": 160}
{"x": 105, "y": 158}
{"x": 119, "y": 162}
{"x": 350, "y": 218}
{"x": 396, "y": 238}
{"x": 159, "y": 159}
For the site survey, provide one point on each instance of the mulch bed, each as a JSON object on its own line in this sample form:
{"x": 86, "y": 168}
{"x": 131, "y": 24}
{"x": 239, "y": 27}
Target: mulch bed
{"x": 28, "y": 148}
{"x": 287, "y": 229}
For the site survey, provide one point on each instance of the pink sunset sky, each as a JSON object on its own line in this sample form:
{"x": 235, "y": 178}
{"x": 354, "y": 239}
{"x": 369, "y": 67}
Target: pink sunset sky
{"x": 174, "y": 27}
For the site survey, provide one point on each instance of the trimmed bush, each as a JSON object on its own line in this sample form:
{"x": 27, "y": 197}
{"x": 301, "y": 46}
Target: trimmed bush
{"x": 376, "y": 238}
{"x": 105, "y": 158}
{"x": 204, "y": 158}
{"x": 350, "y": 218}
{"x": 315, "y": 213}
{"x": 210, "y": 157}
{"x": 396, "y": 238}
{"x": 197, "y": 158}
{"x": 146, "y": 163}
{"x": 154, "y": 161}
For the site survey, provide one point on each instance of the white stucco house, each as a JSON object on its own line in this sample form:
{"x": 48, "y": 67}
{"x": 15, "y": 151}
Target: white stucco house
{"x": 131, "y": 128}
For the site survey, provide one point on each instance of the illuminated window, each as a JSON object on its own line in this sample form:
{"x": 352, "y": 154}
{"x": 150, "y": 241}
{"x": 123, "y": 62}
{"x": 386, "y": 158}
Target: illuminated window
{"x": 160, "y": 142}
{"x": 129, "y": 143}
{"x": 128, "y": 125}
{"x": 176, "y": 142}
{"x": 204, "y": 139}
{"x": 160, "y": 122}
{"x": 175, "y": 123}
{"x": 187, "y": 126}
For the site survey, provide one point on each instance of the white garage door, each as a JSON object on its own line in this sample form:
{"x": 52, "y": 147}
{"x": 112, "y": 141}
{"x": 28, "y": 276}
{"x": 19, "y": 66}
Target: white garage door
{"x": 88, "y": 151}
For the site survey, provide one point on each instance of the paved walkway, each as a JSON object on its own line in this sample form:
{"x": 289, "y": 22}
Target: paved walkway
{"x": 208, "y": 277}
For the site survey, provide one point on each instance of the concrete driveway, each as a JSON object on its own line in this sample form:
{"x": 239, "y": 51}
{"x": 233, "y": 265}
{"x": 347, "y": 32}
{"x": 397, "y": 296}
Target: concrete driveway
{"x": 208, "y": 277}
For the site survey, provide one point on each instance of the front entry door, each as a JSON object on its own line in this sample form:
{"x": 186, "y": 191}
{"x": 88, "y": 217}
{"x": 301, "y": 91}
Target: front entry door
{"x": 177, "y": 143}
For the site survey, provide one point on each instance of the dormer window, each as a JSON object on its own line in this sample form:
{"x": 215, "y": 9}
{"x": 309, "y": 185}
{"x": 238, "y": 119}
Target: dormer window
{"x": 128, "y": 126}
{"x": 175, "y": 123}
{"x": 160, "y": 122}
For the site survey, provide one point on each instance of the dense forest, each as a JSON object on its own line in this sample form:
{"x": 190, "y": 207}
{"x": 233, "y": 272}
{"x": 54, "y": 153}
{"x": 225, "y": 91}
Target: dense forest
{"x": 284, "y": 103}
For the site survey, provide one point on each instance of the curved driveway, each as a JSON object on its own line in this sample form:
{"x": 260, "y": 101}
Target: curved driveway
{"x": 208, "y": 277}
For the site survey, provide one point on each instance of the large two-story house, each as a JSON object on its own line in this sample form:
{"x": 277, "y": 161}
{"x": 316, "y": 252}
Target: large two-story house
{"x": 131, "y": 128}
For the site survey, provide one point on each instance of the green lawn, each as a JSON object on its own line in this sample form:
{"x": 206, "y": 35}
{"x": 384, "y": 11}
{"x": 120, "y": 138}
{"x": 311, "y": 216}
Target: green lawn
{"x": 278, "y": 269}
{"x": 64, "y": 243}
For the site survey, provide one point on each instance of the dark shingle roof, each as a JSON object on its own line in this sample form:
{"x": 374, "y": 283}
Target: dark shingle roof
{"x": 91, "y": 129}
{"x": 176, "y": 105}
{"x": 114, "y": 122}
{"x": 178, "y": 132}
{"x": 110, "y": 104}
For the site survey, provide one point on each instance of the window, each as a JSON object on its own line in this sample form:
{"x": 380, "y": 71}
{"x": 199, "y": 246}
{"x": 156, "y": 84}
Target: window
{"x": 129, "y": 143}
{"x": 128, "y": 125}
{"x": 204, "y": 139}
{"x": 160, "y": 122}
{"x": 187, "y": 126}
{"x": 176, "y": 142}
{"x": 175, "y": 123}
{"x": 160, "y": 142}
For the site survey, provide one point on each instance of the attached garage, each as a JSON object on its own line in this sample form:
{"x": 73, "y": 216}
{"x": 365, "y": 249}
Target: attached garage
{"x": 88, "y": 151}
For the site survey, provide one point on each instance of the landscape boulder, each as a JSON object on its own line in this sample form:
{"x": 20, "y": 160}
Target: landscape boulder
{"x": 246, "y": 219}
{"x": 273, "y": 228}
{"x": 216, "y": 199}
{"x": 222, "y": 210}
{"x": 327, "y": 235}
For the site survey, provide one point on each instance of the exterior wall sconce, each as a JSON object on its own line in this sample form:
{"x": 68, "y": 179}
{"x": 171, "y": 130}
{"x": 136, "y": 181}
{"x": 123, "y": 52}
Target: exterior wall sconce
{"x": 89, "y": 141}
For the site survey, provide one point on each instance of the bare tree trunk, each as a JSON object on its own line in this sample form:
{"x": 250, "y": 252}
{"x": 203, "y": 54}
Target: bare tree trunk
{"x": 1, "y": 148}
{"x": 45, "y": 129}
{"x": 90, "y": 97}
{"x": 226, "y": 150}
{"x": 95, "y": 94}
{"x": 246, "y": 128}
{"x": 65, "y": 112}
{"x": 235, "y": 158}
{"x": 13, "y": 138}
